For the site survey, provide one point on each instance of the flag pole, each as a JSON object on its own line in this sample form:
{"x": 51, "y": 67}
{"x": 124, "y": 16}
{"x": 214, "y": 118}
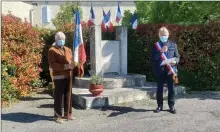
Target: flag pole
{"x": 79, "y": 71}
{"x": 70, "y": 82}
{"x": 70, "y": 93}
{"x": 117, "y": 12}
{"x": 78, "y": 65}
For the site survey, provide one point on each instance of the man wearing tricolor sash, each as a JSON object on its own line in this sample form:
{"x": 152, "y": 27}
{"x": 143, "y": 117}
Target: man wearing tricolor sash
{"x": 165, "y": 57}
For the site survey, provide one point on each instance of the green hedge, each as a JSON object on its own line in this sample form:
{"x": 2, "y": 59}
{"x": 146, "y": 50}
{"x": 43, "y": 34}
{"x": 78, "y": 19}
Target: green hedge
{"x": 198, "y": 45}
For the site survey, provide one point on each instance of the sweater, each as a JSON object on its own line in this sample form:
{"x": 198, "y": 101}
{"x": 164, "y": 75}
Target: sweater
{"x": 57, "y": 58}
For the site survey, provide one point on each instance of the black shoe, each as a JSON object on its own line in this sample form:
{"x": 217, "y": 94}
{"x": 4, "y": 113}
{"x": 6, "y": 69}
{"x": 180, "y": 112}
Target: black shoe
{"x": 172, "y": 110}
{"x": 158, "y": 109}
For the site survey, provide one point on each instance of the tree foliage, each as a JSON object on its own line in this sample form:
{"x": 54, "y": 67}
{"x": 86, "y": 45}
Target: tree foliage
{"x": 66, "y": 14}
{"x": 176, "y": 12}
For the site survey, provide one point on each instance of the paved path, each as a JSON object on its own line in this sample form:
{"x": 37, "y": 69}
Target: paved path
{"x": 197, "y": 112}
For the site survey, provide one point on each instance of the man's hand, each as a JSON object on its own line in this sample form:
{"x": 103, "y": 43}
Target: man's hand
{"x": 173, "y": 63}
{"x": 164, "y": 49}
{"x": 69, "y": 66}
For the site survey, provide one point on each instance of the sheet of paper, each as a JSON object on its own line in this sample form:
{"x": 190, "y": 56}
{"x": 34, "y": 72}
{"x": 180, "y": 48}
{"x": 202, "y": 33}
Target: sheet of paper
{"x": 168, "y": 61}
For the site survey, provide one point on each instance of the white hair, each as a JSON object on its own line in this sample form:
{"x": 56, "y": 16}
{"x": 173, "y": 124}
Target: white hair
{"x": 163, "y": 31}
{"x": 60, "y": 36}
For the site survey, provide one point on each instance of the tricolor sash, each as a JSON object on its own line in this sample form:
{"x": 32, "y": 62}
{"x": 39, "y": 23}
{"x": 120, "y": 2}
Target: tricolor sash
{"x": 164, "y": 57}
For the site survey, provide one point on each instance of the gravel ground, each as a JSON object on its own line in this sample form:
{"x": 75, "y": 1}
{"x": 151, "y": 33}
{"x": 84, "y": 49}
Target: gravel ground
{"x": 196, "y": 112}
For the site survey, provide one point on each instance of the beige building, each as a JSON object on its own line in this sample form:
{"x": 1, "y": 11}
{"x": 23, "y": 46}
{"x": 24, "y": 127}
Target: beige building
{"x": 32, "y": 11}
{"x": 19, "y": 9}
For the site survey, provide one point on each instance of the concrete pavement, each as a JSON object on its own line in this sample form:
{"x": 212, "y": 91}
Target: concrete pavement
{"x": 196, "y": 112}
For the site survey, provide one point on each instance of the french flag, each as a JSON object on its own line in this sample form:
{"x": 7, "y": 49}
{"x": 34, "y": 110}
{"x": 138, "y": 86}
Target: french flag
{"x": 119, "y": 15}
{"x": 106, "y": 22}
{"x": 91, "y": 21}
{"x": 103, "y": 26}
{"x": 133, "y": 21}
{"x": 79, "y": 50}
{"x": 109, "y": 23}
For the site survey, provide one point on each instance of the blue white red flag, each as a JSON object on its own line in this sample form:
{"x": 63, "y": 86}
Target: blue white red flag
{"x": 133, "y": 21}
{"x": 91, "y": 21}
{"x": 79, "y": 50}
{"x": 106, "y": 22}
{"x": 104, "y": 28}
{"x": 119, "y": 14}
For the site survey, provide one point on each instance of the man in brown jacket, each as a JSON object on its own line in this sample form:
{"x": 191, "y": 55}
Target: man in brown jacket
{"x": 61, "y": 63}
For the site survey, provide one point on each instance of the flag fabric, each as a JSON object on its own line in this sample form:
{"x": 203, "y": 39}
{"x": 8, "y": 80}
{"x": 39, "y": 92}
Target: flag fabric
{"x": 109, "y": 23}
{"x": 133, "y": 21}
{"x": 91, "y": 21}
{"x": 103, "y": 22}
{"x": 106, "y": 22}
{"x": 79, "y": 50}
{"x": 119, "y": 14}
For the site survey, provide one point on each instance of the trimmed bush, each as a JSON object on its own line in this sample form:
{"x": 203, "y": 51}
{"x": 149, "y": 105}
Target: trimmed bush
{"x": 198, "y": 45}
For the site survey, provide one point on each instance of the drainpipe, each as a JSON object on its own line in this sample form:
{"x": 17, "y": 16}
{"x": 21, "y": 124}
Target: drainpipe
{"x": 31, "y": 17}
{"x": 31, "y": 12}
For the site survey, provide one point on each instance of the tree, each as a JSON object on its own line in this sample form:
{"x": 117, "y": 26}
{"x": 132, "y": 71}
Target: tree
{"x": 66, "y": 16}
{"x": 143, "y": 11}
{"x": 177, "y": 12}
{"x": 126, "y": 18}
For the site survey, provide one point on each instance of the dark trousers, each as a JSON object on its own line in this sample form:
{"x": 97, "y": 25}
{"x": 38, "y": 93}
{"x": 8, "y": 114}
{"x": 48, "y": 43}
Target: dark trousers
{"x": 161, "y": 79}
{"x": 61, "y": 95}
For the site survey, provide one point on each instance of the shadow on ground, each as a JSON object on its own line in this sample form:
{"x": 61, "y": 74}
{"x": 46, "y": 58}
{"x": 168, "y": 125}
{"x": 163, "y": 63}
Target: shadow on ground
{"x": 51, "y": 106}
{"x": 46, "y": 106}
{"x": 25, "y": 117}
{"x": 33, "y": 98}
{"x": 119, "y": 110}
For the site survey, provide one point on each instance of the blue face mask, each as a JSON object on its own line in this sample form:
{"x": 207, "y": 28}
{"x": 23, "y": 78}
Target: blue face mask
{"x": 61, "y": 43}
{"x": 163, "y": 39}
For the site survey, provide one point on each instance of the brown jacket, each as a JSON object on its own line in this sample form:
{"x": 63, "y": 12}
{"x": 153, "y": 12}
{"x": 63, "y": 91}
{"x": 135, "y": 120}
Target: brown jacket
{"x": 57, "y": 58}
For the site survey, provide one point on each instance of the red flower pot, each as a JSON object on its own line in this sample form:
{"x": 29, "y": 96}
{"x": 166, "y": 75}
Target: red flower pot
{"x": 96, "y": 89}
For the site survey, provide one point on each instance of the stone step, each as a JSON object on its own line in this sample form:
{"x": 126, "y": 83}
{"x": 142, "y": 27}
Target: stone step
{"x": 114, "y": 81}
{"x": 151, "y": 88}
{"x": 83, "y": 98}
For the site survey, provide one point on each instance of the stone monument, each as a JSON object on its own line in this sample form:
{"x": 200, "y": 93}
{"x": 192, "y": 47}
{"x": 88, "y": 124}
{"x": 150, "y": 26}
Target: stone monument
{"x": 108, "y": 58}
